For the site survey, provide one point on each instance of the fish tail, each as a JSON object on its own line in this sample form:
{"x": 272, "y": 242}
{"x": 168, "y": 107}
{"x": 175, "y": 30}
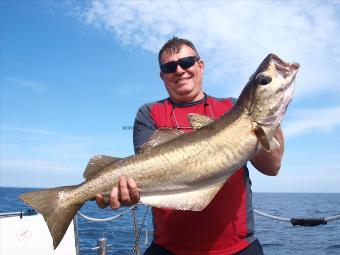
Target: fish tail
{"x": 58, "y": 207}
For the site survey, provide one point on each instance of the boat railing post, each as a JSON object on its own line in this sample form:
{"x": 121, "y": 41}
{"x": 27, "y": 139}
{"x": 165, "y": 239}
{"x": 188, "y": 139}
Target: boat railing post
{"x": 76, "y": 236}
{"x": 135, "y": 230}
{"x": 102, "y": 246}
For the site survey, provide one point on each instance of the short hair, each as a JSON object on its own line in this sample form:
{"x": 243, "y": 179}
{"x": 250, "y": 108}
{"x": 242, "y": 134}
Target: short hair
{"x": 174, "y": 45}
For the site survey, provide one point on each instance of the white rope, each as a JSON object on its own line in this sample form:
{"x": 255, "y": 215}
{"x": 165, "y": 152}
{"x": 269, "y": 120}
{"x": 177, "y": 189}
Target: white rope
{"x": 330, "y": 218}
{"x": 322, "y": 220}
{"x": 271, "y": 216}
{"x": 106, "y": 219}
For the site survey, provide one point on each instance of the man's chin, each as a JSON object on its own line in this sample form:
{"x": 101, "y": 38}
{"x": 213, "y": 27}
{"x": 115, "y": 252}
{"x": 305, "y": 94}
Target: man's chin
{"x": 184, "y": 93}
{"x": 182, "y": 89}
{"x": 185, "y": 97}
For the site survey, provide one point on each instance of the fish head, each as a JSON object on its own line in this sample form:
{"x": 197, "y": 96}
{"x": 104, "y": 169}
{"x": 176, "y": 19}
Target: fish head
{"x": 269, "y": 91}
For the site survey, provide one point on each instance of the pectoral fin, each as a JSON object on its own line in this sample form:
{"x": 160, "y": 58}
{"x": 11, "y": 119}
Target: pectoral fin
{"x": 263, "y": 139}
{"x": 267, "y": 144}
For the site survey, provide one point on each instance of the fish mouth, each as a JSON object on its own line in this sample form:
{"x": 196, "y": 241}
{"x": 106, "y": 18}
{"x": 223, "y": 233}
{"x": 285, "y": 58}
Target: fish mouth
{"x": 286, "y": 73}
{"x": 285, "y": 68}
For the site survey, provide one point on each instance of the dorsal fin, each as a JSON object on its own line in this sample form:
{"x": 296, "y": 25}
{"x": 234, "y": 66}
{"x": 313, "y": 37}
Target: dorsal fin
{"x": 197, "y": 120}
{"x": 160, "y": 136}
{"x": 97, "y": 164}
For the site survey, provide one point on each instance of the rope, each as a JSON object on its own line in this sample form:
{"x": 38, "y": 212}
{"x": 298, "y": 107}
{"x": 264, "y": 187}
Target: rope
{"x": 308, "y": 222}
{"x": 294, "y": 221}
{"x": 118, "y": 216}
{"x": 140, "y": 231}
{"x": 106, "y": 219}
{"x": 271, "y": 216}
{"x": 331, "y": 218}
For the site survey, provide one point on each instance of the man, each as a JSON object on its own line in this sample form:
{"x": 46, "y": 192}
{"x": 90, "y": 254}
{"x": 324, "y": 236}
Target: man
{"x": 226, "y": 225}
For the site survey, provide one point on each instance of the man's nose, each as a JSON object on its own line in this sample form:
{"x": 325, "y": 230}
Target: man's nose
{"x": 179, "y": 70}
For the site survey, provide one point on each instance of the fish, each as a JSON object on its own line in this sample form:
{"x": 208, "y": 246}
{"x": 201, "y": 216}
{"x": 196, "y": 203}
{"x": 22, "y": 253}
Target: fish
{"x": 178, "y": 170}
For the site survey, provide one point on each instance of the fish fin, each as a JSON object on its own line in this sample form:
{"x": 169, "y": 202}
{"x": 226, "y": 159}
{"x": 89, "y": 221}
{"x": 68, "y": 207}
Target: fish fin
{"x": 97, "y": 164}
{"x": 267, "y": 144}
{"x": 197, "y": 120}
{"x": 160, "y": 136}
{"x": 195, "y": 200}
{"x": 56, "y": 207}
{"x": 263, "y": 139}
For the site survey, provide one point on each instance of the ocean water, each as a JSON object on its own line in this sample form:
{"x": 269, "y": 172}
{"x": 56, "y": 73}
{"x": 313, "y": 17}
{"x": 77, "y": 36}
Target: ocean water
{"x": 277, "y": 238}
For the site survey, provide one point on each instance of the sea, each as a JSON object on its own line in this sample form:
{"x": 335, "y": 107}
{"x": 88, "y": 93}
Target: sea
{"x": 276, "y": 237}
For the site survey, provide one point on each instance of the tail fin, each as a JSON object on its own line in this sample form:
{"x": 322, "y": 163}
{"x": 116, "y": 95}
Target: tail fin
{"x": 57, "y": 208}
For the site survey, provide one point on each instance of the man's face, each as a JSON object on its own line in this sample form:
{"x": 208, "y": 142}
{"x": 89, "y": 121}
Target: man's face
{"x": 183, "y": 85}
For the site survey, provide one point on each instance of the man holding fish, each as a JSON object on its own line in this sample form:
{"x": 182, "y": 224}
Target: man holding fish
{"x": 226, "y": 225}
{"x": 197, "y": 182}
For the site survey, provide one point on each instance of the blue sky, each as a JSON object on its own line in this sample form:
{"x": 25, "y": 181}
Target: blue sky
{"x": 73, "y": 73}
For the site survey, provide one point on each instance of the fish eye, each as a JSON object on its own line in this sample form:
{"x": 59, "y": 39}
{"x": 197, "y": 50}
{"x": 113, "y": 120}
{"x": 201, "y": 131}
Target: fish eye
{"x": 263, "y": 79}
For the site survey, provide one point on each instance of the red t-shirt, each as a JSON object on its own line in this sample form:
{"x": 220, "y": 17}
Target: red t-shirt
{"x": 226, "y": 225}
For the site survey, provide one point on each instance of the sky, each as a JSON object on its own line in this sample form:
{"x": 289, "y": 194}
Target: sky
{"x": 74, "y": 73}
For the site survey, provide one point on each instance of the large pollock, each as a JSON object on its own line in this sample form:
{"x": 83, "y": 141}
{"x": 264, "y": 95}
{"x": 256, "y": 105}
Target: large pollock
{"x": 183, "y": 171}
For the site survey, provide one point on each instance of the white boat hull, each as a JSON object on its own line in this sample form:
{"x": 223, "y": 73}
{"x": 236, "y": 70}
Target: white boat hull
{"x": 30, "y": 235}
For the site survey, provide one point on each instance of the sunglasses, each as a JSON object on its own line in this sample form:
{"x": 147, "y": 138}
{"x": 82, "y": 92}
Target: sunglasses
{"x": 184, "y": 63}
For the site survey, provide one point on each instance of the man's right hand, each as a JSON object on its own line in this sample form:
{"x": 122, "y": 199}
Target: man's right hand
{"x": 125, "y": 194}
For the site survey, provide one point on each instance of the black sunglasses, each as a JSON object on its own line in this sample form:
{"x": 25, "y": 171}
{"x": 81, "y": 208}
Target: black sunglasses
{"x": 184, "y": 63}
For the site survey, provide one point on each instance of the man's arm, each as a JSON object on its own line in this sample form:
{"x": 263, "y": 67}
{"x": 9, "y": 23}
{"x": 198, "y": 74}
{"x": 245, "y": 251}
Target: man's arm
{"x": 269, "y": 163}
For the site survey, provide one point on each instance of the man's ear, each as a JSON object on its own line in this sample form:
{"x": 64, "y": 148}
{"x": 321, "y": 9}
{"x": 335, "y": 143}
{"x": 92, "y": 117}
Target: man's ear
{"x": 201, "y": 65}
{"x": 161, "y": 74}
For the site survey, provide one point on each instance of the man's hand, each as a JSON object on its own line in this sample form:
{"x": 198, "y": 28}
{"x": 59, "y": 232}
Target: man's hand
{"x": 126, "y": 194}
{"x": 269, "y": 163}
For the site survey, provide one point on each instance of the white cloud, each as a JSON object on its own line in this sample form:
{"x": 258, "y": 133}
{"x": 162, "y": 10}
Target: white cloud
{"x": 233, "y": 35}
{"x": 44, "y": 154}
{"x": 38, "y": 165}
{"x": 31, "y": 131}
{"x": 42, "y": 145}
{"x": 34, "y": 148}
{"x": 304, "y": 121}
{"x": 31, "y": 85}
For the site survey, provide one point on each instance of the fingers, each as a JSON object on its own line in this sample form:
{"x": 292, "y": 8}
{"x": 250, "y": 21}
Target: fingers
{"x": 114, "y": 201}
{"x": 128, "y": 191}
{"x": 100, "y": 201}
{"x": 133, "y": 191}
{"x": 126, "y": 194}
